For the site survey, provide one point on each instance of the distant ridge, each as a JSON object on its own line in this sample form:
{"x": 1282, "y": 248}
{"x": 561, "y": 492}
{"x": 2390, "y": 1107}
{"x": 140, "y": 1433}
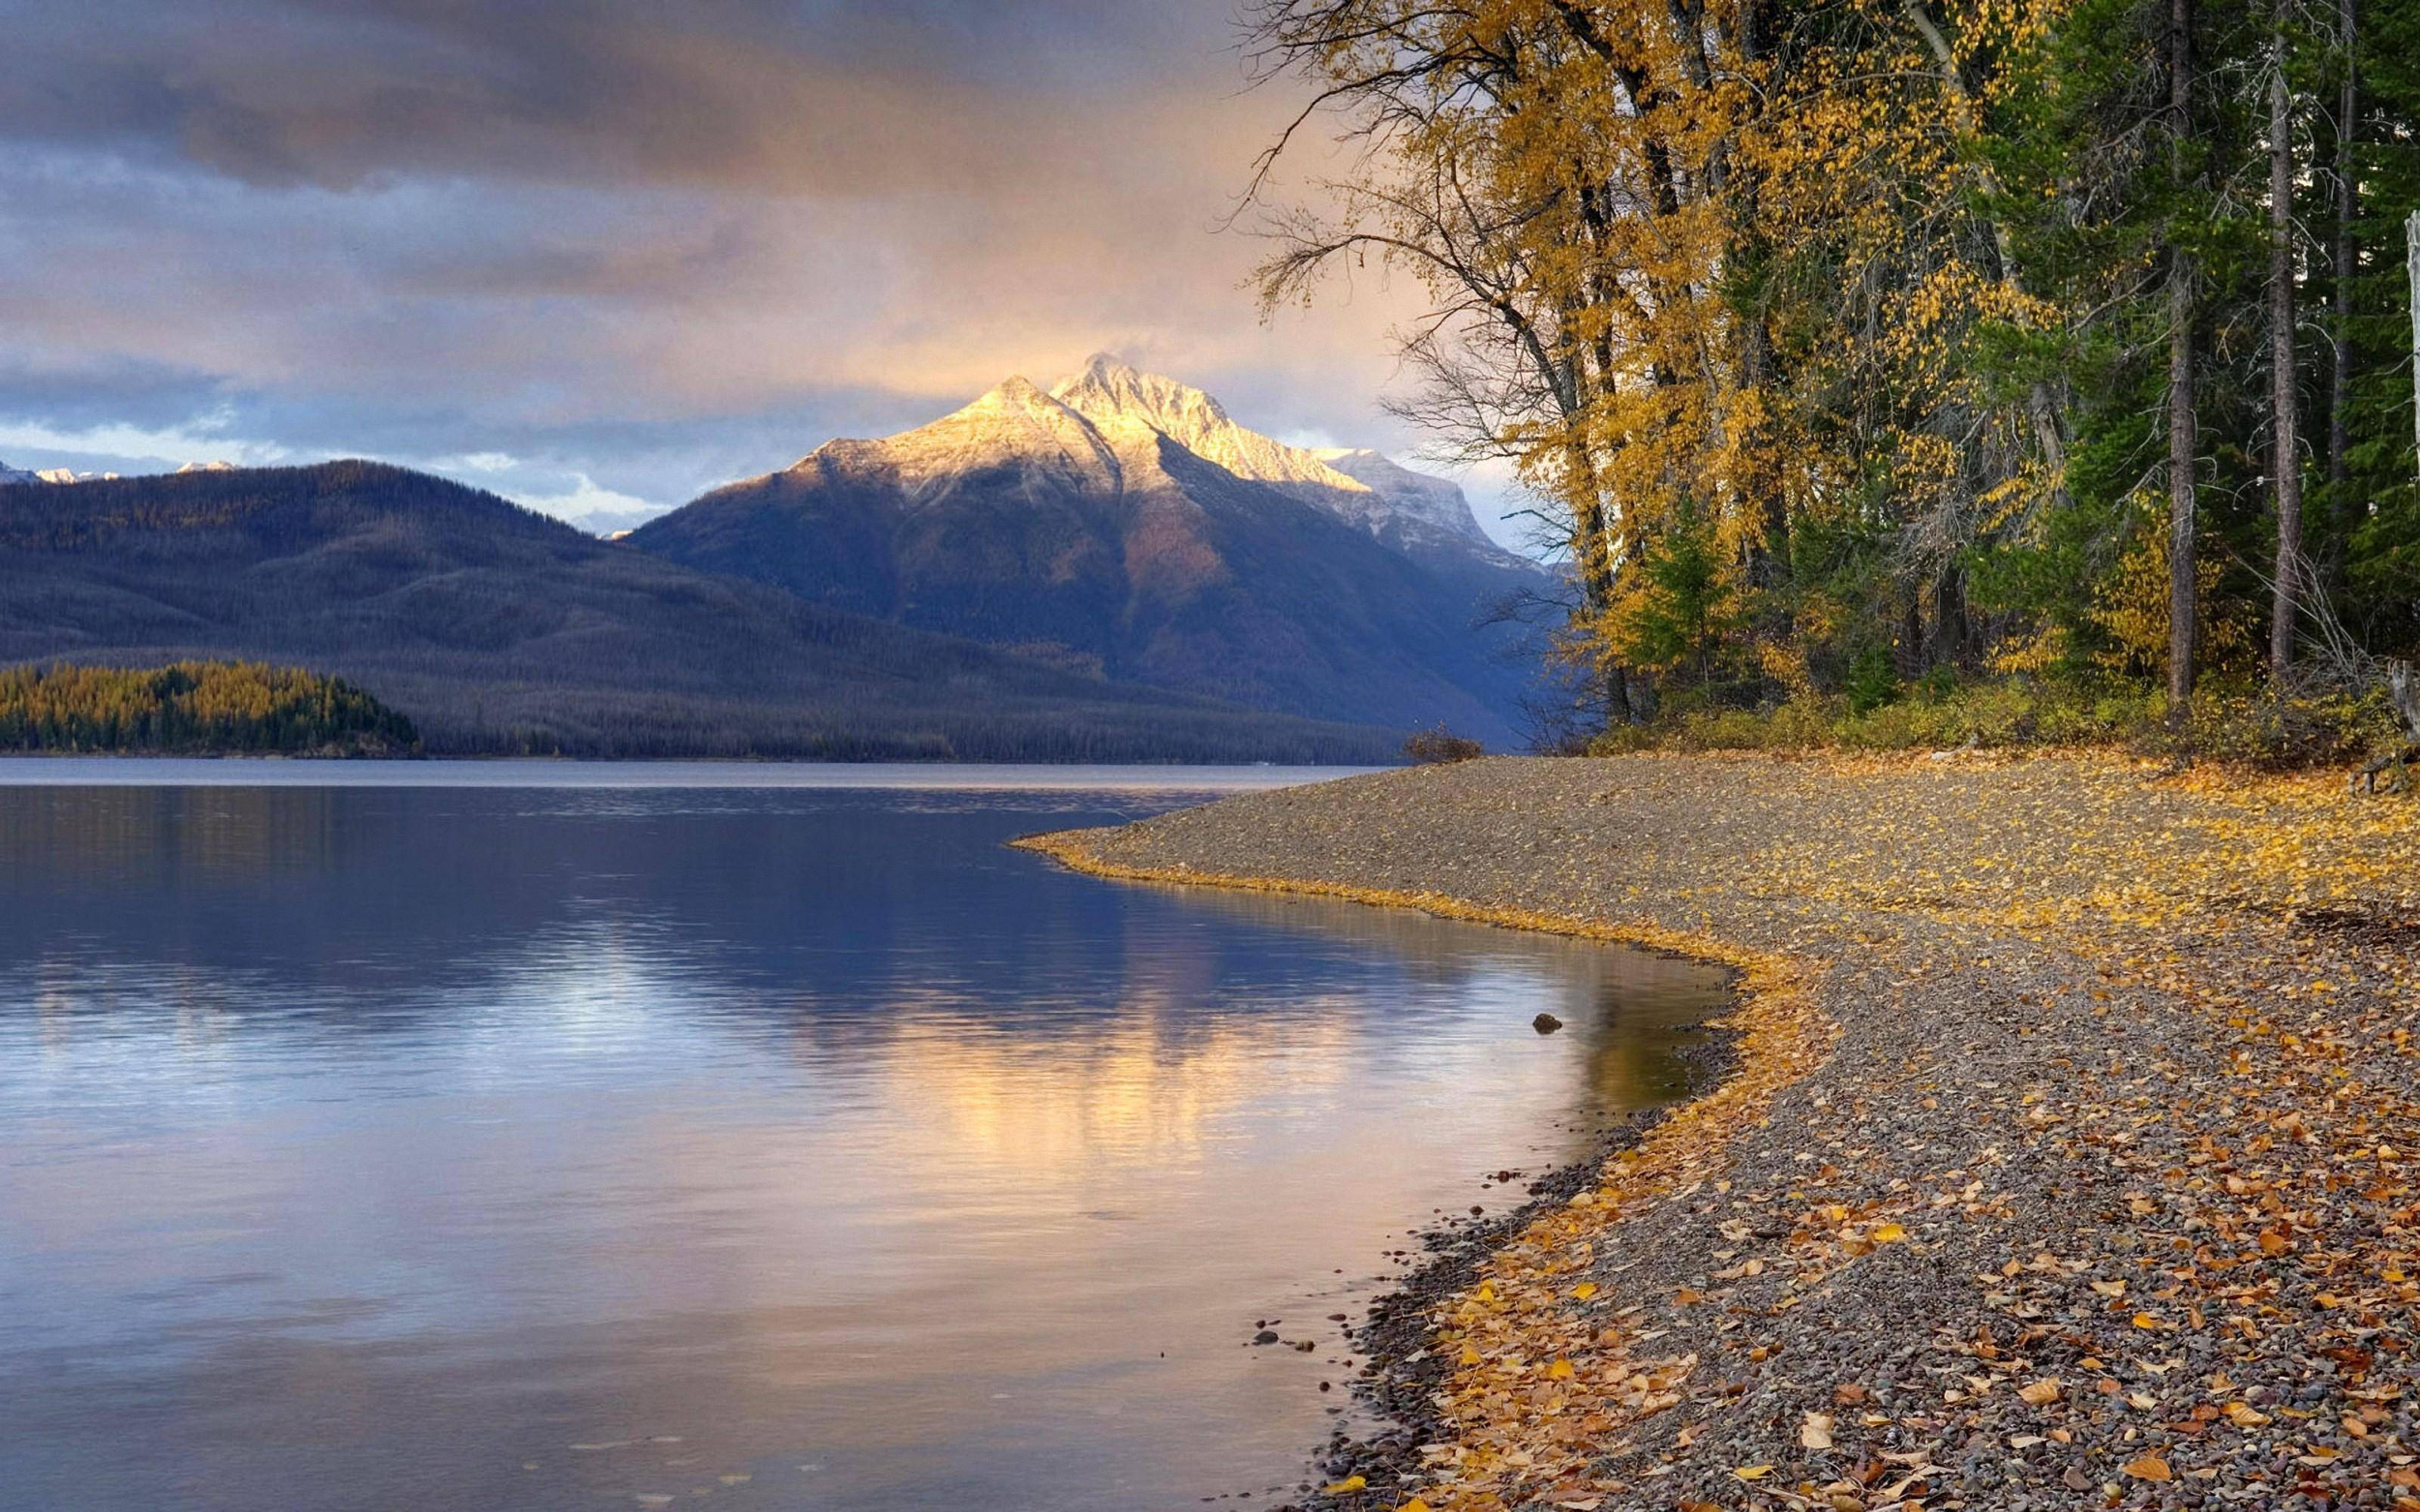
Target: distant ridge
{"x": 494, "y": 629}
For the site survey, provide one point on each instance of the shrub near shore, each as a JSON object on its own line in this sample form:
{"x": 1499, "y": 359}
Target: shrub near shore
{"x": 2231, "y": 723}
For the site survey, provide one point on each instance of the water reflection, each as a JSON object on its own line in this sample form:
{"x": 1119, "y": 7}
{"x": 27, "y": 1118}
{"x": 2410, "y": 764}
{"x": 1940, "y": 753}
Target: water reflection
{"x": 433, "y": 1148}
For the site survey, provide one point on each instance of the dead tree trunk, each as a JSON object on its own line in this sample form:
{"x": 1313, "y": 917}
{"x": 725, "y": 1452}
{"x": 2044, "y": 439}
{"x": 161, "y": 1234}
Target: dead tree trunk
{"x": 2184, "y": 424}
{"x": 2340, "y": 270}
{"x": 2286, "y": 465}
{"x": 2403, "y": 691}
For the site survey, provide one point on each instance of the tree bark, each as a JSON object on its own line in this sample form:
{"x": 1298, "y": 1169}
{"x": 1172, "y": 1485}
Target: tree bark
{"x": 2184, "y": 417}
{"x": 2340, "y": 259}
{"x": 1770, "y": 555}
{"x": 1950, "y": 628}
{"x": 2286, "y": 464}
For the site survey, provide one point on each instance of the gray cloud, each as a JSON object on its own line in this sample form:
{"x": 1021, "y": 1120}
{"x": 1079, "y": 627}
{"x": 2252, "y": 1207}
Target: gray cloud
{"x": 816, "y": 97}
{"x": 648, "y": 246}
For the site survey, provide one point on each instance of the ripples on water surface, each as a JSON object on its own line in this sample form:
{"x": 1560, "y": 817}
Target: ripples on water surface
{"x": 574, "y": 1140}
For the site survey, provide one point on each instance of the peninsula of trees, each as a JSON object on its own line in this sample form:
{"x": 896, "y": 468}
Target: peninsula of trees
{"x": 196, "y": 708}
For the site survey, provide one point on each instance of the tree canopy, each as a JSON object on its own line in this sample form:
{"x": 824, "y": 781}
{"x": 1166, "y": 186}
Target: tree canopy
{"x": 1893, "y": 342}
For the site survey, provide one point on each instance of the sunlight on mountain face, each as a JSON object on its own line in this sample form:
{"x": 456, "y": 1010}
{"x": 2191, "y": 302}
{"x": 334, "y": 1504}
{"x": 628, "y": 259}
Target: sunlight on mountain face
{"x": 1099, "y": 431}
{"x": 1122, "y": 521}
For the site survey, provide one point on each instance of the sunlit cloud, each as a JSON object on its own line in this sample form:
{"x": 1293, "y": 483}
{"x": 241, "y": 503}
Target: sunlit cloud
{"x": 645, "y": 248}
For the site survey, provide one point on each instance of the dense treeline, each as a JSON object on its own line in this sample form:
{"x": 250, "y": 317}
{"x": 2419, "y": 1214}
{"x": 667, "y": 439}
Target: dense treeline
{"x": 194, "y": 707}
{"x": 1866, "y": 349}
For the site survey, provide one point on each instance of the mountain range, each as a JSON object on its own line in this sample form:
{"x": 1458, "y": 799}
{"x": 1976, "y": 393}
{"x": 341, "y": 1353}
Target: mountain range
{"x": 496, "y": 629}
{"x": 1111, "y": 569}
{"x": 1122, "y": 523}
{"x": 10, "y": 474}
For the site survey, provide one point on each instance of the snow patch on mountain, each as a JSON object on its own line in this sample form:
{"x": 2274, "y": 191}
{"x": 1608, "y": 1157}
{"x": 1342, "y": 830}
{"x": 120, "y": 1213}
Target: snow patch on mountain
{"x": 1115, "y": 396}
{"x": 1406, "y": 509}
{"x": 1015, "y": 426}
{"x": 1431, "y": 500}
{"x": 10, "y": 474}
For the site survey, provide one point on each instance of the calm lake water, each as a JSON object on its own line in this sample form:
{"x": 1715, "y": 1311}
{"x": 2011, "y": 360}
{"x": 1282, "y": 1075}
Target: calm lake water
{"x": 575, "y": 1136}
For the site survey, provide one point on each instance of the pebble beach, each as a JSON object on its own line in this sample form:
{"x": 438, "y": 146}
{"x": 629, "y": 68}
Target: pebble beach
{"x": 2064, "y": 1154}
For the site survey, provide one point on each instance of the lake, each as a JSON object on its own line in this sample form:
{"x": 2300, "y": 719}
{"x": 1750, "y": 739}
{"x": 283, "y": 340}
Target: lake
{"x": 546, "y": 1136}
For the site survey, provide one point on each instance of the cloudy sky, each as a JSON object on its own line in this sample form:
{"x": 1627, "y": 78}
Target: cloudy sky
{"x": 604, "y": 254}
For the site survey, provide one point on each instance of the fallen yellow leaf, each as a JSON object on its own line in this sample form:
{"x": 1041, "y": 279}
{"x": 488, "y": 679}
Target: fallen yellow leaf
{"x": 1559, "y": 1370}
{"x": 2149, "y": 1467}
{"x": 2041, "y": 1393}
{"x": 1349, "y": 1484}
{"x": 1889, "y": 1234}
{"x": 1584, "y": 1290}
{"x": 1752, "y": 1472}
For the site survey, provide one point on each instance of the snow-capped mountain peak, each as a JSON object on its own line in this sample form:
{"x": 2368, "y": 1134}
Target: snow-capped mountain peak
{"x": 10, "y": 474}
{"x": 1432, "y": 501}
{"x": 1355, "y": 484}
{"x": 1115, "y": 388}
{"x": 1101, "y": 428}
{"x": 1014, "y": 424}
{"x": 1115, "y": 396}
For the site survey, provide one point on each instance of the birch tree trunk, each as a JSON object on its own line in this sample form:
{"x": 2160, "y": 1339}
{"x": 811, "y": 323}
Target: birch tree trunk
{"x": 2412, "y": 264}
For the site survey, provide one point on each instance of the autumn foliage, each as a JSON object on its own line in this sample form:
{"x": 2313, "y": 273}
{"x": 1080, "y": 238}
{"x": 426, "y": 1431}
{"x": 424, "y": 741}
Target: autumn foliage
{"x": 1950, "y": 338}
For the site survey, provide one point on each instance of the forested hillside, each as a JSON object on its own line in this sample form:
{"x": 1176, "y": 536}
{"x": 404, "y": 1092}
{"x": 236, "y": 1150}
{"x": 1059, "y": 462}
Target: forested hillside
{"x": 1865, "y": 352}
{"x": 193, "y": 707}
{"x": 494, "y": 629}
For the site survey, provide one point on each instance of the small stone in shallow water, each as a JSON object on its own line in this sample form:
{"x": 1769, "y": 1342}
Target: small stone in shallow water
{"x": 1545, "y": 1023}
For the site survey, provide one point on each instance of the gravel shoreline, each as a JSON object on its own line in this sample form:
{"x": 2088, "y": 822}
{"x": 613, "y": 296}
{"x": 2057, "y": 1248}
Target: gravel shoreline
{"x": 1404, "y": 1369}
{"x": 2069, "y": 1161}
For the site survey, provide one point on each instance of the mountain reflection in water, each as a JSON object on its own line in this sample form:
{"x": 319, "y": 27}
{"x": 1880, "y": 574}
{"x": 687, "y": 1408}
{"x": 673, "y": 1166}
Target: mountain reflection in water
{"x": 400, "y": 1147}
